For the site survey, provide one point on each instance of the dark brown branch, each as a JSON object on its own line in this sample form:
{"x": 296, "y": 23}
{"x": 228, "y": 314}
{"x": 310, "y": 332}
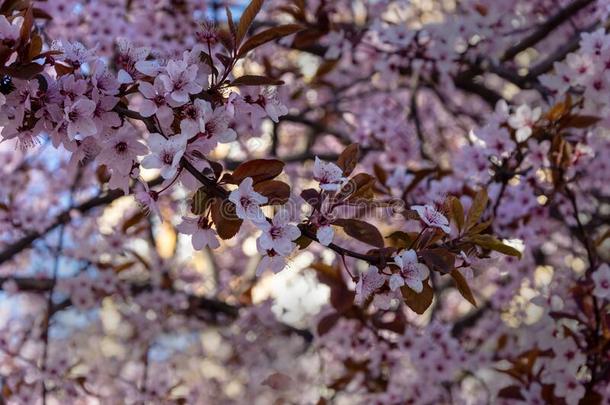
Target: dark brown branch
{"x": 25, "y": 242}
{"x": 196, "y": 303}
{"x": 546, "y": 28}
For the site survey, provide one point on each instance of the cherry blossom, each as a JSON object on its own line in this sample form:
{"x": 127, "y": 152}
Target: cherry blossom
{"x": 328, "y": 174}
{"x": 179, "y": 81}
{"x": 411, "y": 272}
{"x": 368, "y": 283}
{"x": 247, "y": 201}
{"x": 431, "y": 217}
{"x": 523, "y": 120}
{"x": 279, "y": 234}
{"x": 601, "y": 278}
{"x": 201, "y": 233}
{"x": 165, "y": 153}
{"x": 79, "y": 119}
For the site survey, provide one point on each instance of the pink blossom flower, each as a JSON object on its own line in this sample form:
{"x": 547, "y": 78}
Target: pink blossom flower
{"x": 127, "y": 57}
{"x": 412, "y": 273}
{"x": 279, "y": 234}
{"x": 523, "y": 120}
{"x": 73, "y": 53}
{"x": 329, "y": 175}
{"x": 325, "y": 235}
{"x": 212, "y": 125}
{"x": 264, "y": 104}
{"x": 166, "y": 153}
{"x": 179, "y": 81}
{"x": 9, "y": 31}
{"x": 121, "y": 150}
{"x": 368, "y": 283}
{"x": 247, "y": 201}
{"x": 601, "y": 278}
{"x": 271, "y": 260}
{"x": 202, "y": 234}
{"x": 79, "y": 117}
{"x": 431, "y": 217}
{"x": 154, "y": 98}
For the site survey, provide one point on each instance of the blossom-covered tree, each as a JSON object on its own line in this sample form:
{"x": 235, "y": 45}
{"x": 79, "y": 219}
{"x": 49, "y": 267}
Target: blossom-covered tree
{"x": 304, "y": 201}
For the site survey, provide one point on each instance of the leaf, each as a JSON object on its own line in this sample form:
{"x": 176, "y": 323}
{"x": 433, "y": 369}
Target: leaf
{"x": 224, "y": 217}
{"x": 200, "y": 201}
{"x": 580, "y": 121}
{"x": 325, "y": 68}
{"x": 477, "y": 208}
{"x": 438, "y": 259}
{"x": 277, "y": 192}
{"x": 247, "y": 18}
{"x": 511, "y": 392}
{"x": 381, "y": 174}
{"x": 39, "y": 13}
{"x": 35, "y": 47}
{"x": 258, "y": 169}
{"x": 267, "y": 35}
{"x": 401, "y": 240}
{"x": 480, "y": 227}
{"x": 361, "y": 185}
{"x": 348, "y": 159}
{"x": 303, "y": 242}
{"x": 462, "y": 286}
{"x": 491, "y": 243}
{"x": 254, "y": 80}
{"x": 418, "y": 302}
{"x": 327, "y": 323}
{"x": 362, "y": 231}
{"x": 133, "y": 220}
{"x": 457, "y": 212}
{"x": 63, "y": 70}
{"x": 278, "y": 381}
{"x": 25, "y": 72}
{"x": 311, "y": 196}
{"x": 230, "y": 21}
{"x": 26, "y": 25}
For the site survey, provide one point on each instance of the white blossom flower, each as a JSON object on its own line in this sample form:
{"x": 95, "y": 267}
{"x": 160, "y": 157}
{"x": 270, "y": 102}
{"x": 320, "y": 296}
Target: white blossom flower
{"x": 79, "y": 117}
{"x": 201, "y": 233}
{"x": 431, "y": 217}
{"x": 412, "y": 273}
{"x": 329, "y": 175}
{"x": 601, "y": 278}
{"x": 180, "y": 81}
{"x": 247, "y": 201}
{"x": 523, "y": 121}
{"x": 279, "y": 234}
{"x": 325, "y": 235}
{"x": 166, "y": 153}
{"x": 368, "y": 283}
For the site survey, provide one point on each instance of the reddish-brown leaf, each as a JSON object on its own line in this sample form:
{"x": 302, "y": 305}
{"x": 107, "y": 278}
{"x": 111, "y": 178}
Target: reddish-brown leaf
{"x": 418, "y": 302}
{"x": 362, "y": 231}
{"x": 224, "y": 217}
{"x": 254, "y": 80}
{"x": 438, "y": 259}
{"x": 462, "y": 286}
{"x": 267, "y": 35}
{"x": 359, "y": 186}
{"x": 476, "y": 209}
{"x": 278, "y": 381}
{"x": 311, "y": 196}
{"x": 277, "y": 192}
{"x": 247, "y": 17}
{"x": 348, "y": 159}
{"x": 327, "y": 323}
{"x": 258, "y": 169}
